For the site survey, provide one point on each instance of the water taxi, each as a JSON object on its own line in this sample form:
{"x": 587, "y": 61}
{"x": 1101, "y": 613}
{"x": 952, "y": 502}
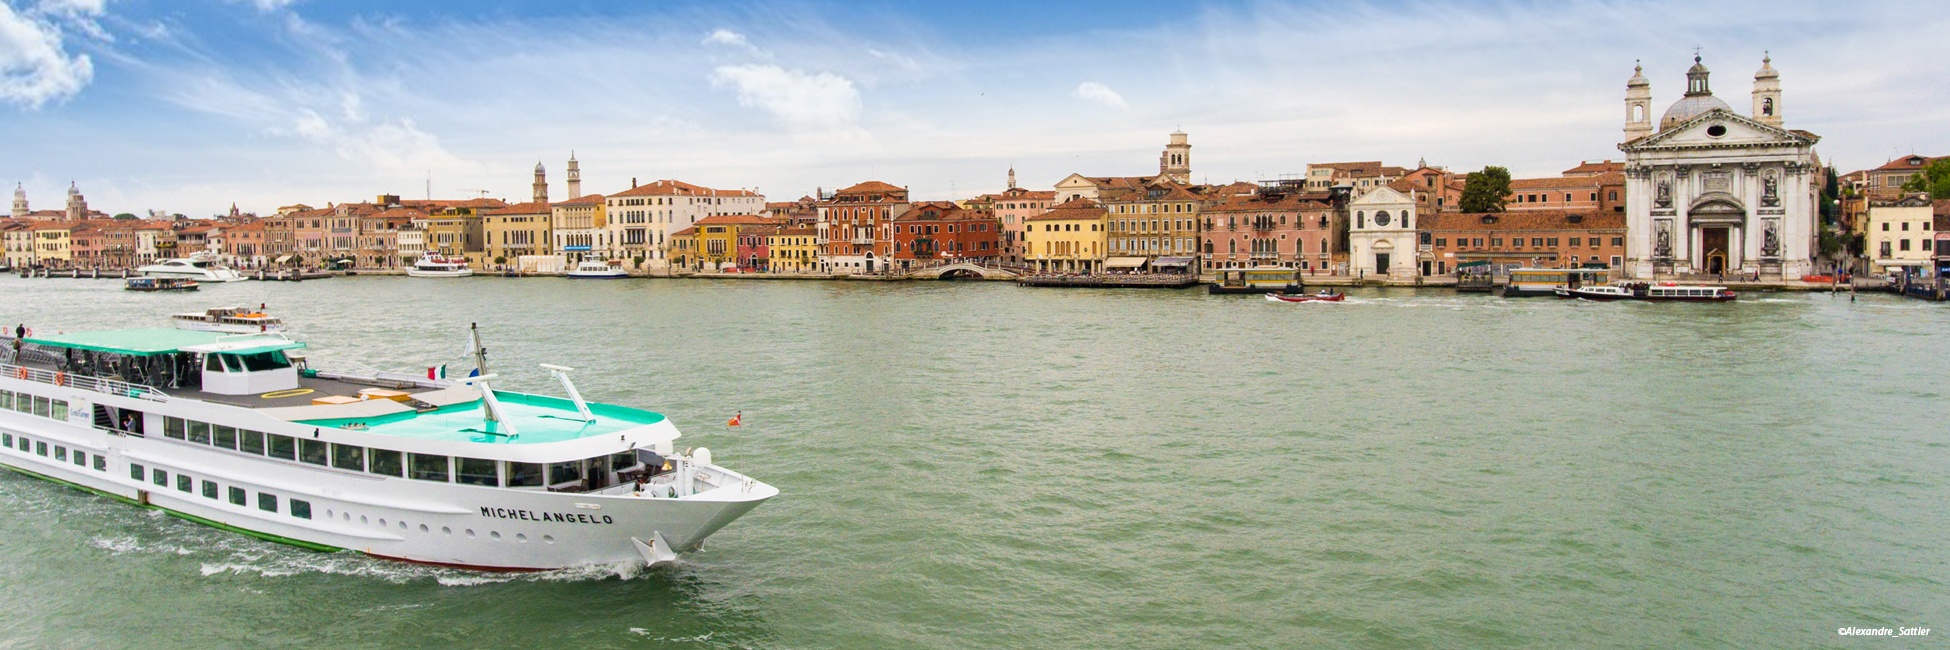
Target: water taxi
{"x": 234, "y": 320}
{"x": 1531, "y": 283}
{"x": 241, "y": 433}
{"x": 194, "y": 268}
{"x": 597, "y": 270}
{"x": 159, "y": 284}
{"x": 1662, "y": 292}
{"x": 435, "y": 265}
{"x": 1323, "y": 296}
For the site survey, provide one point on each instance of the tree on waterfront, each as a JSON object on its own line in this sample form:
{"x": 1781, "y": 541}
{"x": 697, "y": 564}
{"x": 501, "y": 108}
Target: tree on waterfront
{"x": 1484, "y": 191}
{"x": 125, "y": 217}
{"x": 1934, "y": 179}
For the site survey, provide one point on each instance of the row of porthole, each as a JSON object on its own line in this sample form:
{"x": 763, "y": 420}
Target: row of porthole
{"x": 494, "y": 535}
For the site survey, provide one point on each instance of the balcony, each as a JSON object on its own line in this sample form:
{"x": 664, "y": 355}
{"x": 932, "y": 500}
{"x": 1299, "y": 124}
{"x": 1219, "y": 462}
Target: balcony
{"x": 862, "y": 241}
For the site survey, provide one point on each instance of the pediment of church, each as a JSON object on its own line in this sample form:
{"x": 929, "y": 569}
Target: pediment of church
{"x": 1075, "y": 180}
{"x": 1382, "y": 196}
{"x": 1720, "y": 128}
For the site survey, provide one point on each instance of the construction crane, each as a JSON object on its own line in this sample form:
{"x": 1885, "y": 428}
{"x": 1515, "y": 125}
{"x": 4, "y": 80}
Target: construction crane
{"x": 483, "y": 193}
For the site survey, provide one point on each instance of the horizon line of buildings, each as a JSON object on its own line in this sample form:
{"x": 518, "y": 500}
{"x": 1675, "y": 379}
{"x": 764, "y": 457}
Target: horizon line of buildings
{"x": 1707, "y": 191}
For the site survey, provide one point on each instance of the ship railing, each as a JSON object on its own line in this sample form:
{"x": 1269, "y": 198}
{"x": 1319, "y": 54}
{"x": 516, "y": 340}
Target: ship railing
{"x": 360, "y": 373}
{"x": 84, "y": 382}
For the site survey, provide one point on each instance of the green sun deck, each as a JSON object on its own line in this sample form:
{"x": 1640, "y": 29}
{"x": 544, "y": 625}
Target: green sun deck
{"x": 537, "y": 419}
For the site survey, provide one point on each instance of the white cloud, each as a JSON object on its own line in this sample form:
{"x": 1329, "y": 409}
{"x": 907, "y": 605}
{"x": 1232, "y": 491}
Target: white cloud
{"x": 820, "y": 100}
{"x": 34, "y": 67}
{"x": 1102, "y": 94}
{"x": 722, "y": 36}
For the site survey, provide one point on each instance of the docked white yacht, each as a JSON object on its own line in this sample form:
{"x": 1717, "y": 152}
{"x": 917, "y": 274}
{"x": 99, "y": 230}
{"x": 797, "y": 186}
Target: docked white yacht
{"x": 440, "y": 266}
{"x": 597, "y": 270}
{"x": 232, "y": 320}
{"x": 200, "y": 270}
{"x": 239, "y": 433}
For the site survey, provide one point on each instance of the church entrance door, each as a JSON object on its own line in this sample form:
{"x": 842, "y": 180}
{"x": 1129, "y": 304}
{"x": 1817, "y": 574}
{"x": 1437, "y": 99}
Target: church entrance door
{"x": 1714, "y": 242}
{"x": 1381, "y": 263}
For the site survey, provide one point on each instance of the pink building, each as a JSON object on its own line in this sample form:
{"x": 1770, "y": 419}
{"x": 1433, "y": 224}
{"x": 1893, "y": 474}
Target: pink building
{"x": 754, "y": 245}
{"x": 1267, "y": 226}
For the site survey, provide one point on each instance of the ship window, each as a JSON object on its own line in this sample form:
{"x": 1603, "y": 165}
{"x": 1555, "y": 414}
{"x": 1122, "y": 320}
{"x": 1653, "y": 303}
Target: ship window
{"x": 524, "y": 474}
{"x": 211, "y": 363}
{"x": 311, "y": 451}
{"x": 137, "y": 472}
{"x": 101, "y": 464}
{"x": 350, "y": 457}
{"x": 159, "y": 477}
{"x": 250, "y": 442}
{"x": 476, "y": 471}
{"x": 184, "y": 483}
{"x": 40, "y": 448}
{"x": 200, "y": 432}
{"x": 60, "y": 409}
{"x": 283, "y": 447}
{"x": 262, "y": 361}
{"x": 174, "y": 427}
{"x": 267, "y": 502}
{"x": 559, "y": 473}
{"x": 237, "y": 495}
{"x": 40, "y": 403}
{"x": 226, "y": 436}
{"x": 209, "y": 489}
{"x": 6, "y": 440}
{"x": 23, "y": 443}
{"x": 6, "y": 400}
{"x": 622, "y": 461}
{"x": 301, "y": 509}
{"x": 428, "y": 468}
{"x": 60, "y": 452}
{"x": 80, "y": 459}
{"x": 386, "y": 462}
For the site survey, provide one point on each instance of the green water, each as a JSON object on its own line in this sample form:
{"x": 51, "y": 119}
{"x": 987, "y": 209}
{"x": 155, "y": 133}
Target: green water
{"x": 980, "y": 465}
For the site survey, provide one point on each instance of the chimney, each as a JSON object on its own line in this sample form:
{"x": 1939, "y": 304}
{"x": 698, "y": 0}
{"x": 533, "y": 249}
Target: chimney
{"x": 633, "y": 182}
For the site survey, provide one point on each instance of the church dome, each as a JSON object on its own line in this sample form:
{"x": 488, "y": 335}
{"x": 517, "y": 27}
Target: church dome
{"x": 1690, "y": 106}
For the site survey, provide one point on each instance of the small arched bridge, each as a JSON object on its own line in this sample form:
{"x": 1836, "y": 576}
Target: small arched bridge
{"x": 963, "y": 271}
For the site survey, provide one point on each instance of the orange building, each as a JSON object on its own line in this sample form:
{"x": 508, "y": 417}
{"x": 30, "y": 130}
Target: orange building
{"x": 856, "y": 227}
{"x": 1536, "y": 238}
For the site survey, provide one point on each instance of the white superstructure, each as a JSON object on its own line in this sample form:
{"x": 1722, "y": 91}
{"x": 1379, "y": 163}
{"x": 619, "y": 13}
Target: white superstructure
{"x": 434, "y": 265}
{"x": 228, "y": 431}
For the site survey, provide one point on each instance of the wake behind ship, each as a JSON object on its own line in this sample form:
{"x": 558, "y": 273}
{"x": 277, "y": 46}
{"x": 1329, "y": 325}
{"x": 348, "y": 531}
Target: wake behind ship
{"x": 237, "y": 432}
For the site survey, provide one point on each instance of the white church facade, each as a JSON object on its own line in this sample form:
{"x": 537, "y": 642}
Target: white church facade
{"x": 1711, "y": 191}
{"x": 1381, "y": 234}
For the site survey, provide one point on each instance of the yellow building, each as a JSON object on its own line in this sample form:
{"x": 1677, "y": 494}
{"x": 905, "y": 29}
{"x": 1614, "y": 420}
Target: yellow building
{"x": 578, "y": 227}
{"x": 1898, "y": 234}
{"x": 1069, "y": 238}
{"x": 516, "y": 230}
{"x": 715, "y": 241}
{"x": 52, "y": 246}
{"x": 794, "y": 250}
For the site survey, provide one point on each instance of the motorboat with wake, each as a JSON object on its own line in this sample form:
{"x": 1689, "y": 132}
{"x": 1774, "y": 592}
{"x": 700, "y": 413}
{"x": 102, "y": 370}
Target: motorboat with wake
{"x": 1322, "y": 296}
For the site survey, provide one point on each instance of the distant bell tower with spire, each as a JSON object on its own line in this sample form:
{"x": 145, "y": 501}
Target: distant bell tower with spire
{"x": 575, "y": 176}
{"x": 1012, "y": 177}
{"x": 77, "y": 205}
{"x": 541, "y": 183}
{"x": 1176, "y": 162}
{"x": 20, "y": 201}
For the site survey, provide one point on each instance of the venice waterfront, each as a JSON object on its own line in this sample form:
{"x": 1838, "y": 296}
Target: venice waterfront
{"x": 981, "y": 465}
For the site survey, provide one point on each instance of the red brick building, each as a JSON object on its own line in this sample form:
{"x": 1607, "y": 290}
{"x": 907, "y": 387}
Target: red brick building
{"x": 856, "y": 226}
{"x": 940, "y": 231}
{"x": 1535, "y": 238}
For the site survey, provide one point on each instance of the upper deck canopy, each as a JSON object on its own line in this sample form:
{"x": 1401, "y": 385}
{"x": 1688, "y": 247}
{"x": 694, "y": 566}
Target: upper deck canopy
{"x": 537, "y": 419}
{"x": 165, "y": 340}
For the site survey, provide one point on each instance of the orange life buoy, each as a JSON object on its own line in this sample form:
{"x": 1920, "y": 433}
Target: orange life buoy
{"x": 21, "y": 373}
{"x": 60, "y": 379}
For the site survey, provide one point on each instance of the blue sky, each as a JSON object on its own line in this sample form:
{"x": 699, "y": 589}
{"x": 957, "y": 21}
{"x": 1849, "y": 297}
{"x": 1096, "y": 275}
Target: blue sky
{"x": 188, "y": 107}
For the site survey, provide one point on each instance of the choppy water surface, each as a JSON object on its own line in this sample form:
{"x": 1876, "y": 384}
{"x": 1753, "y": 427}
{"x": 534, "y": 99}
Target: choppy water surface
{"x": 981, "y": 465}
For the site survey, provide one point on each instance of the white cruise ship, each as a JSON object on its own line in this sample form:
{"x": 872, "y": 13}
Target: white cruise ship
{"x": 236, "y": 432}
{"x": 439, "y": 266}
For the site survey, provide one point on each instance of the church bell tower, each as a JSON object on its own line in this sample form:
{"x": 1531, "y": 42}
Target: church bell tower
{"x": 575, "y": 177}
{"x": 1176, "y": 162}
{"x": 1638, "y": 105}
{"x": 77, "y": 204}
{"x": 541, "y": 184}
{"x": 1767, "y": 93}
{"x": 20, "y": 201}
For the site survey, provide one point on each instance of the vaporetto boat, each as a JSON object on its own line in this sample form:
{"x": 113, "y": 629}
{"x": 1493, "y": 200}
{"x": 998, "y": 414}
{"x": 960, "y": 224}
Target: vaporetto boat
{"x": 197, "y": 269}
{"x": 240, "y": 433}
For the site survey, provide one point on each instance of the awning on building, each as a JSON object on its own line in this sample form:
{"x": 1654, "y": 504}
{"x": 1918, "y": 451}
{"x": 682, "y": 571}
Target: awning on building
{"x": 1177, "y": 262}
{"x": 1124, "y": 263}
{"x": 283, "y": 259}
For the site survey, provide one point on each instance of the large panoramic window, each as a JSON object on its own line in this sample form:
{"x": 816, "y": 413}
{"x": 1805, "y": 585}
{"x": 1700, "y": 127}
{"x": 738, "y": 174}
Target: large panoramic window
{"x": 524, "y": 474}
{"x": 174, "y": 427}
{"x": 311, "y": 451}
{"x": 250, "y": 442}
{"x": 226, "y": 437}
{"x": 428, "y": 467}
{"x": 387, "y": 462}
{"x": 283, "y": 447}
{"x": 349, "y": 457}
{"x": 476, "y": 471}
{"x": 559, "y": 473}
{"x": 200, "y": 432}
